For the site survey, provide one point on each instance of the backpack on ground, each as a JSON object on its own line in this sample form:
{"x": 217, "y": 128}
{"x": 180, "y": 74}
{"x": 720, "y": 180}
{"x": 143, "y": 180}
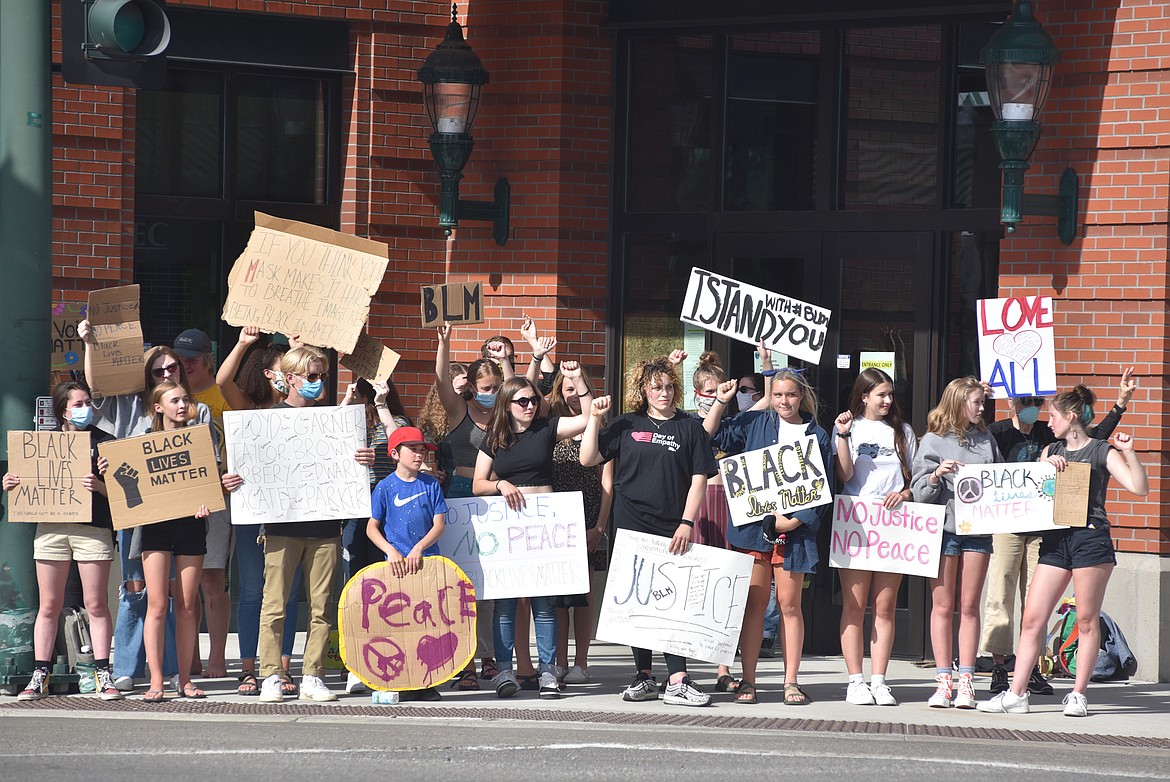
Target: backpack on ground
{"x": 1062, "y": 639}
{"x": 72, "y": 634}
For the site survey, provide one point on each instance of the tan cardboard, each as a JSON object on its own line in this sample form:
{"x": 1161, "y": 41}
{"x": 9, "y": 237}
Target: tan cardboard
{"x": 371, "y": 359}
{"x": 1071, "y": 507}
{"x": 460, "y": 303}
{"x": 116, "y": 353}
{"x": 51, "y": 466}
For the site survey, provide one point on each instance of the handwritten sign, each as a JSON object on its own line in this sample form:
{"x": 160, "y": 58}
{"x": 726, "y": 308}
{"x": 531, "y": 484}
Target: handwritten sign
{"x": 869, "y": 536}
{"x": 690, "y": 604}
{"x": 161, "y": 476}
{"x": 297, "y": 464}
{"x": 539, "y": 550}
{"x": 751, "y": 314}
{"x": 411, "y": 632}
{"x": 371, "y": 359}
{"x": 66, "y": 348}
{"x": 116, "y": 353}
{"x": 779, "y": 479}
{"x": 50, "y": 466}
{"x": 1017, "y": 353}
{"x": 1019, "y": 497}
{"x": 455, "y": 302}
{"x": 305, "y": 280}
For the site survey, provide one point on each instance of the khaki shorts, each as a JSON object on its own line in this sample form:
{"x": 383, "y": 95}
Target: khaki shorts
{"x": 79, "y": 542}
{"x": 219, "y": 540}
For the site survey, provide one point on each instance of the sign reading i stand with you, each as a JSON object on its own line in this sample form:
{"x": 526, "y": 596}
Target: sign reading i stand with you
{"x": 51, "y": 466}
{"x": 776, "y": 480}
{"x": 297, "y": 464}
{"x": 751, "y": 314}
{"x": 1017, "y": 353}
{"x": 869, "y": 536}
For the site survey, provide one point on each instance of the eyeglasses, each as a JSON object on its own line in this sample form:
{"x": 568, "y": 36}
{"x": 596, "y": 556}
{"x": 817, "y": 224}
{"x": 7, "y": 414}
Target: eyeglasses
{"x": 526, "y": 401}
{"x": 747, "y": 390}
{"x": 164, "y": 370}
{"x": 313, "y": 377}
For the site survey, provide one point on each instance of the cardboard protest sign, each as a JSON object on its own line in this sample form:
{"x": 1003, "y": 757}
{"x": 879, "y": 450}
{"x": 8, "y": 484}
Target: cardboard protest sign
{"x": 116, "y": 356}
{"x": 1019, "y": 497}
{"x": 161, "y": 476}
{"x": 687, "y": 604}
{"x": 456, "y": 302}
{"x": 51, "y": 466}
{"x": 411, "y": 632}
{"x": 781, "y": 478}
{"x": 297, "y": 464}
{"x": 868, "y": 536}
{"x": 539, "y": 550}
{"x": 370, "y": 359}
{"x": 66, "y": 348}
{"x": 304, "y": 280}
{"x": 1017, "y": 352}
{"x": 749, "y": 314}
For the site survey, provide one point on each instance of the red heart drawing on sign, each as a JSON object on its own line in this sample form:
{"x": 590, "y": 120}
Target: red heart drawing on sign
{"x": 1020, "y": 347}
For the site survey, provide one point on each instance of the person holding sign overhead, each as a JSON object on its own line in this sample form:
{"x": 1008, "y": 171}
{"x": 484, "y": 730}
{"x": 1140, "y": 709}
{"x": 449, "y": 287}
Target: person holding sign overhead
{"x": 956, "y": 435}
{"x": 784, "y": 547}
{"x": 1082, "y": 555}
{"x": 663, "y": 460}
{"x": 90, "y": 544}
{"x": 875, "y": 450}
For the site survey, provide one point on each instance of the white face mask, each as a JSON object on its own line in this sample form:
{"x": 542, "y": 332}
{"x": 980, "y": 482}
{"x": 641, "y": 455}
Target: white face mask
{"x": 745, "y": 401}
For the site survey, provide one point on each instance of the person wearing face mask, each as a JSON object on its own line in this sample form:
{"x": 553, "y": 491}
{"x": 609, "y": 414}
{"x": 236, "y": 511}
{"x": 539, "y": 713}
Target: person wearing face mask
{"x": 1021, "y": 438}
{"x": 749, "y": 391}
{"x": 90, "y": 544}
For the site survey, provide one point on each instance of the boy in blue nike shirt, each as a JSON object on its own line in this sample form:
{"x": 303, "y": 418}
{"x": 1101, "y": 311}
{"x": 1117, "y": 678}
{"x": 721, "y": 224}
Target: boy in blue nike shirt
{"x": 407, "y": 508}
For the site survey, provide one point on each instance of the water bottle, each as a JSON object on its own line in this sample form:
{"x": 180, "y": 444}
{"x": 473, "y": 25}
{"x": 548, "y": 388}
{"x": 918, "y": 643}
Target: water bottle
{"x": 384, "y": 698}
{"x": 86, "y": 671}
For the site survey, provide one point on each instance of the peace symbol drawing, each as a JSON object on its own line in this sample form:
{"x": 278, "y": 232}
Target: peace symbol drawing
{"x": 968, "y": 490}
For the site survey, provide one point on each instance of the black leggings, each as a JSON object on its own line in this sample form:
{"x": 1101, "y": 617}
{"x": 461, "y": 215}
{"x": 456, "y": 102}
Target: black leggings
{"x": 643, "y": 661}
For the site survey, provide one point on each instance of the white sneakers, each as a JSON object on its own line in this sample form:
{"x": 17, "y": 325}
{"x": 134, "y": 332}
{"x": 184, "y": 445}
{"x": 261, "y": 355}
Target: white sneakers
{"x": 270, "y": 690}
{"x": 354, "y": 685}
{"x": 577, "y": 675}
{"x": 882, "y": 695}
{"x": 1006, "y": 702}
{"x": 942, "y": 692}
{"x": 965, "y": 699}
{"x": 313, "y": 689}
{"x": 685, "y": 693}
{"x": 859, "y": 694}
{"x": 1076, "y": 705}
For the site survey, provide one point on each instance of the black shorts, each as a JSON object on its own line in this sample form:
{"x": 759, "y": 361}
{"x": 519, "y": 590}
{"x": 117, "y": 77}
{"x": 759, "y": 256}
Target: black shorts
{"x": 181, "y": 537}
{"x": 1077, "y": 548}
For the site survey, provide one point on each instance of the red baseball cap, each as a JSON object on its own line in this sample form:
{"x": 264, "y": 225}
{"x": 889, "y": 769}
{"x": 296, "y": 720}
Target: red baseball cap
{"x": 408, "y": 434}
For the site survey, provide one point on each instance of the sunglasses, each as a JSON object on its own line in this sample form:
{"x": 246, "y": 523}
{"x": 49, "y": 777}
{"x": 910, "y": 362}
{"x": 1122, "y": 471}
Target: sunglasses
{"x": 1031, "y": 401}
{"x": 164, "y": 370}
{"x": 526, "y": 401}
{"x": 747, "y": 390}
{"x": 315, "y": 376}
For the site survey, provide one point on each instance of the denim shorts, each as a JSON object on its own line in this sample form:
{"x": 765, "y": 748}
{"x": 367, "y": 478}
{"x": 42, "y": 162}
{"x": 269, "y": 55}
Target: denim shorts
{"x": 1077, "y": 548}
{"x": 953, "y": 545}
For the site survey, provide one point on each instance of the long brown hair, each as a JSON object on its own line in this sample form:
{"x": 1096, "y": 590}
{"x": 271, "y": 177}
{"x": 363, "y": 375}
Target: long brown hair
{"x": 432, "y": 419}
{"x": 869, "y": 379}
{"x": 148, "y": 359}
{"x": 499, "y": 429}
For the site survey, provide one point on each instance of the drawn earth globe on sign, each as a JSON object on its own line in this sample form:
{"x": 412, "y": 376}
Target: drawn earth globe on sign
{"x": 409, "y": 632}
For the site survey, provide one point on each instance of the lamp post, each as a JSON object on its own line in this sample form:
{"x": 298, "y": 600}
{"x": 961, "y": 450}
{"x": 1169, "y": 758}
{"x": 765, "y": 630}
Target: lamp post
{"x": 1018, "y": 61}
{"x": 453, "y": 77}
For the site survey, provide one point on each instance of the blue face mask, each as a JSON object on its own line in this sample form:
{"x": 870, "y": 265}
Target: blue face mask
{"x": 1029, "y": 415}
{"x": 311, "y": 391}
{"x": 487, "y": 400}
{"x": 81, "y": 417}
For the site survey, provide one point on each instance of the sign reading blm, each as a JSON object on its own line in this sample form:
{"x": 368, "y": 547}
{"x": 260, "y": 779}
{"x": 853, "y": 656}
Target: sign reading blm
{"x": 751, "y": 314}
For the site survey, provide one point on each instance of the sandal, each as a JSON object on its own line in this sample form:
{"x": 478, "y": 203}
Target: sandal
{"x": 153, "y": 696}
{"x": 746, "y": 693}
{"x": 466, "y": 681}
{"x": 287, "y": 685}
{"x": 488, "y": 669}
{"x": 728, "y": 683}
{"x": 248, "y": 685}
{"x": 794, "y": 696}
{"x": 193, "y": 692}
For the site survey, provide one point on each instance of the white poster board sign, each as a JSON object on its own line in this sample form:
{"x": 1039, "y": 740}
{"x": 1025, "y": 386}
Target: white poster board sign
{"x": 749, "y": 314}
{"x": 536, "y": 551}
{"x": 1020, "y": 497}
{"x": 1017, "y": 350}
{"x": 297, "y": 464}
{"x": 869, "y": 536}
{"x": 687, "y": 604}
{"x": 779, "y": 479}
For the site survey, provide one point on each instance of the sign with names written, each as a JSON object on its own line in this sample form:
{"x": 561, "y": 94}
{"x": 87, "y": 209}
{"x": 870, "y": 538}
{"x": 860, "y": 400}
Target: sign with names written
{"x": 869, "y": 536}
{"x": 1017, "y": 352}
{"x": 779, "y": 479}
{"x": 306, "y": 281}
{"x": 370, "y": 359}
{"x": 458, "y": 303}
{"x": 297, "y": 464}
{"x": 1020, "y": 497}
{"x": 116, "y": 360}
{"x": 751, "y": 314}
{"x": 408, "y": 632}
{"x": 688, "y": 604}
{"x": 51, "y": 466}
{"x": 536, "y": 551}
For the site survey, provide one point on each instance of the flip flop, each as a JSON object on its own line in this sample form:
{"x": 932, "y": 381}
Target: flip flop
{"x": 727, "y": 683}
{"x": 248, "y": 685}
{"x": 193, "y": 692}
{"x": 746, "y": 693}
{"x": 153, "y": 696}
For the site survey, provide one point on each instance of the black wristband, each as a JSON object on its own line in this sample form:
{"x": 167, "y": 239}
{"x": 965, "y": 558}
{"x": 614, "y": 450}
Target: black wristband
{"x": 1119, "y": 408}
{"x": 686, "y": 523}
{"x": 844, "y": 434}
{"x": 718, "y": 401}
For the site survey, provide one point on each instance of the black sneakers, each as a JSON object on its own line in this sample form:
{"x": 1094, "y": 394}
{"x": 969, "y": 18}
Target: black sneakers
{"x": 999, "y": 679}
{"x": 1037, "y": 684}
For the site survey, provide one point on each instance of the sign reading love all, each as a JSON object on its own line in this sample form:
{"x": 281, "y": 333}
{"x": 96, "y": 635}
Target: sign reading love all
{"x": 1017, "y": 352}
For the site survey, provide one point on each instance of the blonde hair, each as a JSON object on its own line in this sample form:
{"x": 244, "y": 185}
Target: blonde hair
{"x": 948, "y": 417}
{"x": 642, "y": 374}
{"x": 710, "y": 368}
{"x": 432, "y": 418}
{"x": 156, "y": 394}
{"x": 809, "y": 401}
{"x": 298, "y": 360}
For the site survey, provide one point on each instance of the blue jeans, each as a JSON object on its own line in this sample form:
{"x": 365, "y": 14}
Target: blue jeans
{"x": 544, "y": 616}
{"x": 772, "y": 617}
{"x": 250, "y": 562}
{"x": 129, "y": 652}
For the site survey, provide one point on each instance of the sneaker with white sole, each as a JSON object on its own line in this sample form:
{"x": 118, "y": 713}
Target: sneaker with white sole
{"x": 999, "y": 679}
{"x": 577, "y": 675}
{"x": 38, "y": 686}
{"x": 1076, "y": 705}
{"x": 1037, "y": 684}
{"x": 548, "y": 686}
{"x": 942, "y": 692}
{"x": 506, "y": 684}
{"x": 965, "y": 699}
{"x": 124, "y": 683}
{"x": 313, "y": 689}
{"x": 270, "y": 690}
{"x": 105, "y": 686}
{"x": 1006, "y": 702}
{"x": 643, "y": 688}
{"x": 882, "y": 695}
{"x": 859, "y": 694}
{"x": 685, "y": 693}
{"x": 354, "y": 685}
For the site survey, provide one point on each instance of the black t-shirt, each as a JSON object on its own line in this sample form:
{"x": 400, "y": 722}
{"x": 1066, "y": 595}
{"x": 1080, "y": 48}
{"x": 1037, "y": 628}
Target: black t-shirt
{"x": 528, "y": 461}
{"x": 101, "y": 505}
{"x": 1015, "y": 446}
{"x": 656, "y": 461}
{"x": 303, "y": 529}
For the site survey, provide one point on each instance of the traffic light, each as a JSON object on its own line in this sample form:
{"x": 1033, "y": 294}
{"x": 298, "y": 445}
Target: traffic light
{"x": 118, "y": 43}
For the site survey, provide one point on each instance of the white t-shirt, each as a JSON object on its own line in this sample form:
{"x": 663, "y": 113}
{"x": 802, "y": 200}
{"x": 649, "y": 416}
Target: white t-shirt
{"x": 876, "y": 471}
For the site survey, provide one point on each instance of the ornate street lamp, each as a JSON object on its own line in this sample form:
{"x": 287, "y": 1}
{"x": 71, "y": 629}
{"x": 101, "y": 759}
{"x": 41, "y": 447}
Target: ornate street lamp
{"x": 453, "y": 77}
{"x": 1018, "y": 61}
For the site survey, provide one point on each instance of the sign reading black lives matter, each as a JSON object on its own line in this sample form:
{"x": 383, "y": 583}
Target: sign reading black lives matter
{"x": 297, "y": 464}
{"x": 776, "y": 480}
{"x": 749, "y": 314}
